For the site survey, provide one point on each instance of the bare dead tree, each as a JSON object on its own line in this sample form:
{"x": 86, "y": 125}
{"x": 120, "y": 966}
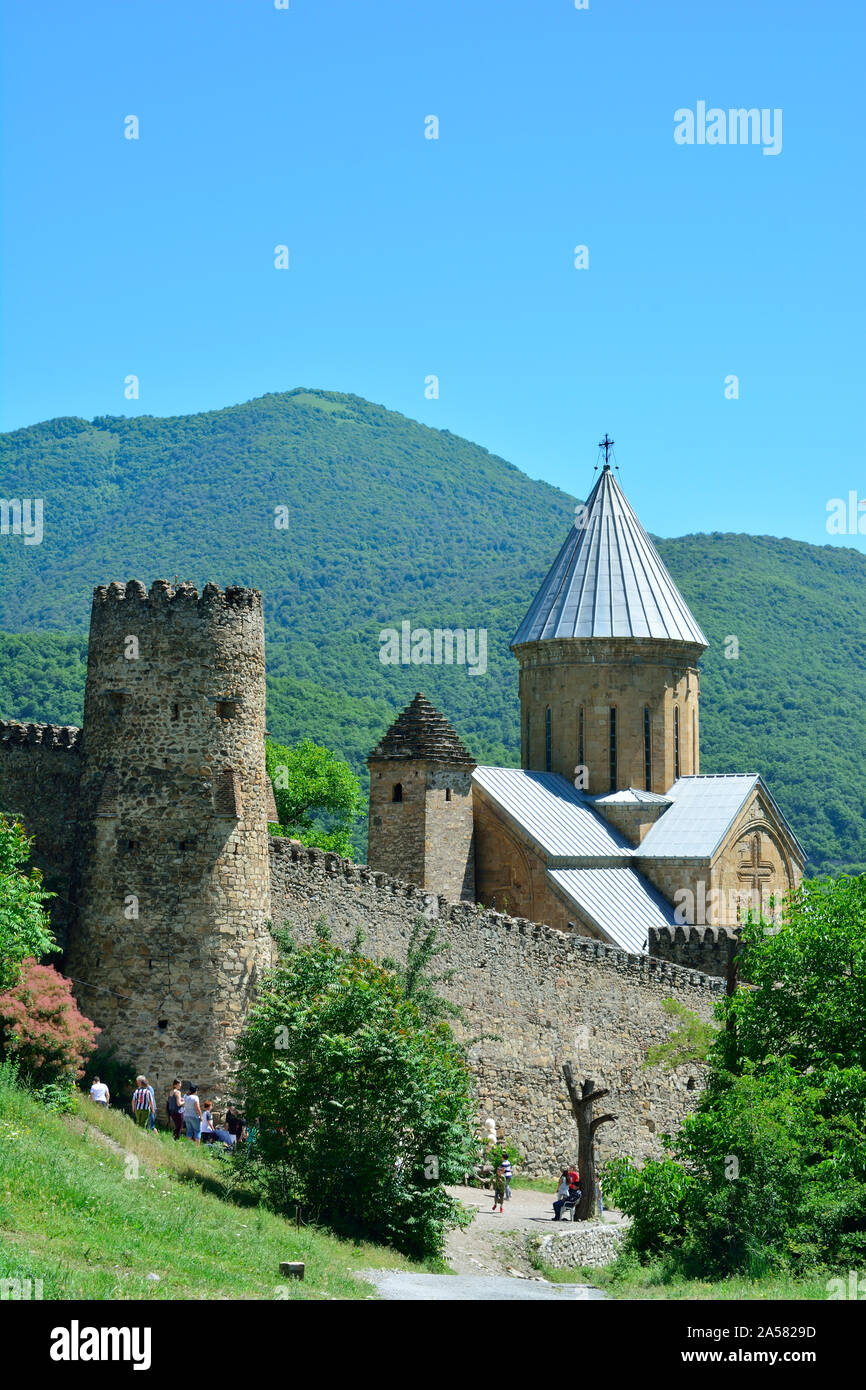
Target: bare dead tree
{"x": 581, "y": 1108}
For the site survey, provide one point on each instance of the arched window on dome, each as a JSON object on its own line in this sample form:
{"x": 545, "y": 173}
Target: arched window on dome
{"x": 612, "y": 748}
{"x": 397, "y": 793}
{"x": 548, "y": 741}
{"x": 676, "y": 742}
{"x": 647, "y": 750}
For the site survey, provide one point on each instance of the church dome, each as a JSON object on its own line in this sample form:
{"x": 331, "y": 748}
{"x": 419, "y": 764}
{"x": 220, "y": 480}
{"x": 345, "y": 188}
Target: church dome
{"x": 608, "y": 580}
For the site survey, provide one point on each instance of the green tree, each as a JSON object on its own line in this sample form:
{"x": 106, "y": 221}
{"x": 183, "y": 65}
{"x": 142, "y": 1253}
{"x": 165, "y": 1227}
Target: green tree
{"x": 362, "y": 1112}
{"x": 772, "y": 1161}
{"x": 25, "y": 929}
{"x": 417, "y": 983}
{"x": 318, "y": 795}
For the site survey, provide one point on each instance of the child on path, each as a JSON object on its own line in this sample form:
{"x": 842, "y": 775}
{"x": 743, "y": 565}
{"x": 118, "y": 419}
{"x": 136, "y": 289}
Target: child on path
{"x": 499, "y": 1187}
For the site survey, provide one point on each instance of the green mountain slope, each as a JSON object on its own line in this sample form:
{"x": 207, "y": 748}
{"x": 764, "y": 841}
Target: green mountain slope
{"x": 390, "y": 520}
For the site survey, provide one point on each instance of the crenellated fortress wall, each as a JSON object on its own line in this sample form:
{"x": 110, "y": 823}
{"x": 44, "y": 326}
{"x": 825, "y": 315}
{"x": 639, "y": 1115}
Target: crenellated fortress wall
{"x": 40, "y": 771}
{"x": 548, "y": 996}
{"x": 151, "y": 827}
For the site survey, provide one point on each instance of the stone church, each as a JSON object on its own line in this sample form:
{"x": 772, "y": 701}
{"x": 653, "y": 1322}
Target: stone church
{"x": 608, "y": 828}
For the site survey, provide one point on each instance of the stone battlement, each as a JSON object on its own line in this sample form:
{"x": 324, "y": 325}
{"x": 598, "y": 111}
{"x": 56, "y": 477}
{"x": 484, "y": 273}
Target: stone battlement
{"x": 468, "y": 915}
{"x": 706, "y": 948}
{"x": 13, "y": 733}
{"x": 161, "y": 592}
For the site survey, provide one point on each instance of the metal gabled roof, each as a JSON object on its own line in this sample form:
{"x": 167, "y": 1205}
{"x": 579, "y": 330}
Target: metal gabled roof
{"x": 702, "y": 812}
{"x": 552, "y": 813}
{"x": 619, "y": 902}
{"x": 629, "y": 796}
{"x": 608, "y": 580}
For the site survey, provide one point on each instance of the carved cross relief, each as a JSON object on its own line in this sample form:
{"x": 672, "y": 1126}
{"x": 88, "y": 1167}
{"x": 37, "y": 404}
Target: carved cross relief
{"x": 754, "y": 872}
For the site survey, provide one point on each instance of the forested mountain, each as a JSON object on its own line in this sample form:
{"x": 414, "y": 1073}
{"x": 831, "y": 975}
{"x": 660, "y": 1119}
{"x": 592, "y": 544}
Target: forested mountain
{"x": 391, "y": 520}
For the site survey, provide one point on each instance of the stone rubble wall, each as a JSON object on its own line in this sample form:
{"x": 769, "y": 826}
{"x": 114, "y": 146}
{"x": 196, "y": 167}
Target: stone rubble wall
{"x": 587, "y": 1243}
{"x": 547, "y": 996}
{"x": 707, "y": 949}
{"x": 40, "y": 772}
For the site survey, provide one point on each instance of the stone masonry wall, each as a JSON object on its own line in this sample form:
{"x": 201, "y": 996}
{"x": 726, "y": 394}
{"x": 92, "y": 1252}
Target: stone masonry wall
{"x": 566, "y": 675}
{"x": 40, "y": 769}
{"x": 171, "y": 930}
{"x": 700, "y": 948}
{"x": 549, "y": 997}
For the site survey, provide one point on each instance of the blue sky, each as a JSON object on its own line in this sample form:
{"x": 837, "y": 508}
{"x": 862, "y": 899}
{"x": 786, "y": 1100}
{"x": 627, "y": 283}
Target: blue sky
{"x": 454, "y": 257}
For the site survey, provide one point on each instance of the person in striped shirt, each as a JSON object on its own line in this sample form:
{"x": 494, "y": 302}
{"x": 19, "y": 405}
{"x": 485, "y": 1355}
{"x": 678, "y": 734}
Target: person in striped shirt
{"x": 143, "y": 1103}
{"x": 506, "y": 1164}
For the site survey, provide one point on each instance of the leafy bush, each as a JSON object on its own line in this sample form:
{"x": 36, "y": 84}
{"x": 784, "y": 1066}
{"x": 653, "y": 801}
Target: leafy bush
{"x": 768, "y": 1173}
{"x": 362, "y": 1112}
{"x": 24, "y": 926}
{"x": 41, "y": 1027}
{"x": 118, "y": 1075}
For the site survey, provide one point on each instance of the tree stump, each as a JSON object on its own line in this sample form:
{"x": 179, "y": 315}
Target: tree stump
{"x": 581, "y": 1108}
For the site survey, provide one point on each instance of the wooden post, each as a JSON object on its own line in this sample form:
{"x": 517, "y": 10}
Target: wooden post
{"x": 581, "y": 1108}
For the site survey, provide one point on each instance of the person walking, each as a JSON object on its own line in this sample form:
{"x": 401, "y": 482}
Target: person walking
{"x": 506, "y": 1164}
{"x": 499, "y": 1188}
{"x": 99, "y": 1093}
{"x": 174, "y": 1106}
{"x": 192, "y": 1115}
{"x": 143, "y": 1103}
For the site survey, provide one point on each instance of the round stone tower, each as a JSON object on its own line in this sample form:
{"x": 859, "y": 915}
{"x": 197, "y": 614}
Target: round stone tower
{"x": 173, "y": 892}
{"x": 608, "y": 656}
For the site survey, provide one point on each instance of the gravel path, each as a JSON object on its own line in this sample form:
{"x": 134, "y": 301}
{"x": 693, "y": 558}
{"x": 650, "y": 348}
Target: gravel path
{"x": 489, "y": 1258}
{"x": 395, "y": 1286}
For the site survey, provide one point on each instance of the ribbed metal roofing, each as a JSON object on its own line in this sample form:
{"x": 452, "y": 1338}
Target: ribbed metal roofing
{"x": 630, "y": 796}
{"x": 703, "y": 810}
{"x": 551, "y": 812}
{"x": 608, "y": 580}
{"x": 620, "y": 902}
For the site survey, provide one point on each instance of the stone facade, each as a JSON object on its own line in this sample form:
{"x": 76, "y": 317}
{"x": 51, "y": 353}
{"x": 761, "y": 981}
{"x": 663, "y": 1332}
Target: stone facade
{"x": 579, "y": 681}
{"x": 173, "y": 895}
{"x": 420, "y": 817}
{"x": 709, "y": 949}
{"x": 512, "y": 878}
{"x": 591, "y": 1243}
{"x": 547, "y": 996}
{"x": 40, "y": 768}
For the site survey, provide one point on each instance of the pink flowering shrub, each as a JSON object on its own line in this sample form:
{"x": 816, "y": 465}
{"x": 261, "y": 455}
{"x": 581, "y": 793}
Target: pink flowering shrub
{"x": 42, "y": 1028}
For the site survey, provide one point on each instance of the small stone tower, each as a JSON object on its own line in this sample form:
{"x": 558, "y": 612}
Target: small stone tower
{"x": 173, "y": 891}
{"x": 608, "y": 657}
{"x": 420, "y": 826}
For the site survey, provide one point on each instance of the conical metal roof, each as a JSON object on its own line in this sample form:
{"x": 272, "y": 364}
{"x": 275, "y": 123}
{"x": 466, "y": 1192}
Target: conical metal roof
{"x": 608, "y": 580}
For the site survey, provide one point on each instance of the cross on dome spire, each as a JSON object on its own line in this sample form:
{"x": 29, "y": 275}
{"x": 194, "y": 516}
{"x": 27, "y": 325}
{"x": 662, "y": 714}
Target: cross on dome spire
{"x": 607, "y": 444}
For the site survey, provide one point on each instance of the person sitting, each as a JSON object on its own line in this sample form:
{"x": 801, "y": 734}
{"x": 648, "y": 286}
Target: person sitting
{"x": 207, "y": 1131}
{"x": 561, "y": 1195}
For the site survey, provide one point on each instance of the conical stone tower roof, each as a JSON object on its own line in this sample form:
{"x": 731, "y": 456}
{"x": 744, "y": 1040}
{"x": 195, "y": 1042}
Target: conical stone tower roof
{"x": 608, "y": 580}
{"x": 422, "y": 732}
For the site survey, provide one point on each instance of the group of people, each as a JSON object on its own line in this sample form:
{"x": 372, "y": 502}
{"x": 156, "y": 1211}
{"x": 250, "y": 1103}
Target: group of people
{"x": 186, "y": 1113}
{"x": 569, "y": 1192}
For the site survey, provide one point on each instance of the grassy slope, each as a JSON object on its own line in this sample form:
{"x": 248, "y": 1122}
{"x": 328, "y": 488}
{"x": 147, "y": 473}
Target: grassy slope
{"x": 651, "y": 1283}
{"x": 70, "y": 1216}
